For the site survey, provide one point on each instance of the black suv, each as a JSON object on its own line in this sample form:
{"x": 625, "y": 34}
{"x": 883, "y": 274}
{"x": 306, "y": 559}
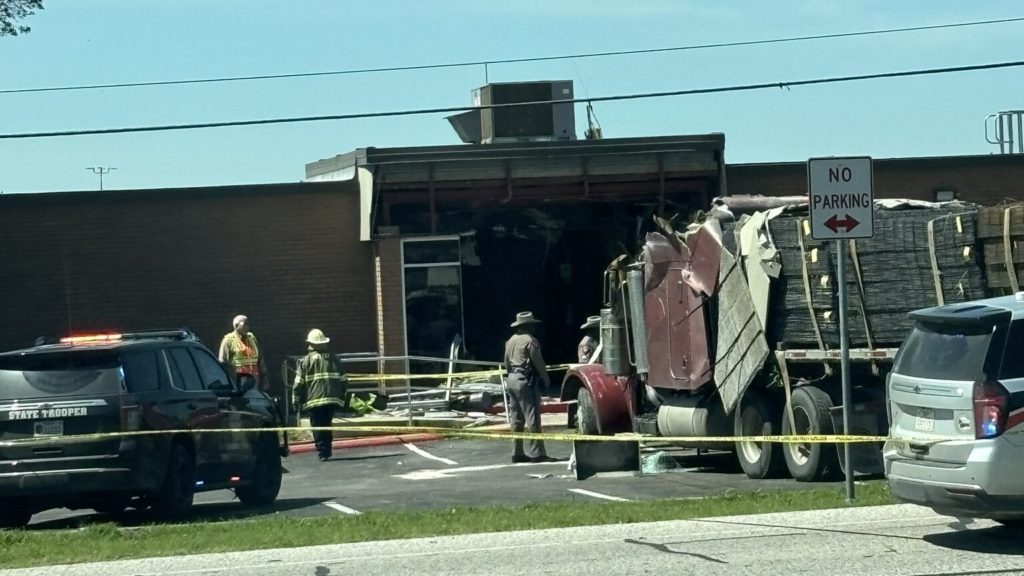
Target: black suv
{"x": 144, "y": 381}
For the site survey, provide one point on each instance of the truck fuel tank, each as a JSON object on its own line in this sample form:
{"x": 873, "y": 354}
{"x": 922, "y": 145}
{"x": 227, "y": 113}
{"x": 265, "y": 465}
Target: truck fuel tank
{"x": 613, "y": 344}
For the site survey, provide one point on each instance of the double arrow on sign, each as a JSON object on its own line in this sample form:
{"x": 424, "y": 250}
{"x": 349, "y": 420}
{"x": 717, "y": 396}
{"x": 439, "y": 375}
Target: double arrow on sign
{"x": 834, "y": 223}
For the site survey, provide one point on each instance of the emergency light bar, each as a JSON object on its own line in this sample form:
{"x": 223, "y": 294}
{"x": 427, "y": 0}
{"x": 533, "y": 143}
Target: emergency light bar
{"x": 182, "y": 334}
{"x": 90, "y": 338}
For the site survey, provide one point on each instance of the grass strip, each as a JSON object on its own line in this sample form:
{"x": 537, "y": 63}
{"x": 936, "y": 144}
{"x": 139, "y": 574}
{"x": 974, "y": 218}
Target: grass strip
{"x": 99, "y": 542}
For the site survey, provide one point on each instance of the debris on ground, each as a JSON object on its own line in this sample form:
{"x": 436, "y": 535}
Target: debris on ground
{"x": 658, "y": 463}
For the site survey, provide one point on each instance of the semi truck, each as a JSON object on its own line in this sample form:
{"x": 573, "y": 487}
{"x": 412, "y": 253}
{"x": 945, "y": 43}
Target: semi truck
{"x": 728, "y": 328}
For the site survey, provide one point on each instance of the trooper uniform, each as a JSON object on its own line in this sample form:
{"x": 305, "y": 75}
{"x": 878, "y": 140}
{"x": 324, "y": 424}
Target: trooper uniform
{"x": 320, "y": 386}
{"x": 588, "y": 345}
{"x": 526, "y": 372}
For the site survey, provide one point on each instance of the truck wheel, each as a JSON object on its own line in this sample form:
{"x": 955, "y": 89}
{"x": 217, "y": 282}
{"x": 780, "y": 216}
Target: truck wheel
{"x": 810, "y": 462}
{"x": 177, "y": 493}
{"x": 586, "y": 416}
{"x": 13, "y": 516}
{"x": 755, "y": 418}
{"x": 266, "y": 475}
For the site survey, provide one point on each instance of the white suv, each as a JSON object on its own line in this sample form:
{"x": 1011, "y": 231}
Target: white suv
{"x": 956, "y": 409}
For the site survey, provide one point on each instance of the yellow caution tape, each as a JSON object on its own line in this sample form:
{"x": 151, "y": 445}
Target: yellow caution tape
{"x": 463, "y": 433}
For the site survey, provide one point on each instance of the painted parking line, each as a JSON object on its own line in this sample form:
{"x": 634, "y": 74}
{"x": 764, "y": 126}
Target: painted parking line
{"x": 598, "y": 495}
{"x": 449, "y": 472}
{"x": 426, "y": 454}
{"x": 342, "y": 508}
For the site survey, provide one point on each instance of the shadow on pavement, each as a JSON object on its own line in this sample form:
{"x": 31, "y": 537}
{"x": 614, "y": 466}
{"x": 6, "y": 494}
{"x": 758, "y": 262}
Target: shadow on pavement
{"x": 202, "y": 512}
{"x": 995, "y": 540}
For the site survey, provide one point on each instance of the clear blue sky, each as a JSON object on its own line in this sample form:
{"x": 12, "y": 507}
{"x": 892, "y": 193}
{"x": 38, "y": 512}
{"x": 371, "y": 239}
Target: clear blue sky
{"x": 108, "y": 41}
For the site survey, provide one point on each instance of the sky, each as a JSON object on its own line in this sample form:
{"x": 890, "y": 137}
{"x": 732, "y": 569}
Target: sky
{"x": 77, "y": 42}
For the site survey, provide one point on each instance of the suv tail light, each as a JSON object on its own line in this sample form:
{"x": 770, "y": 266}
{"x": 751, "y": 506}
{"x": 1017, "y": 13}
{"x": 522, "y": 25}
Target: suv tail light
{"x": 990, "y": 403}
{"x": 888, "y": 406}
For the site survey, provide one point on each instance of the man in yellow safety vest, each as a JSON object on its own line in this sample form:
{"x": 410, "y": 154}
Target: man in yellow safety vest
{"x": 240, "y": 349}
{"x": 320, "y": 387}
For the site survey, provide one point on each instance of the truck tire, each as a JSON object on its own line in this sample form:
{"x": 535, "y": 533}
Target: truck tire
{"x": 177, "y": 493}
{"x": 811, "y": 415}
{"x": 266, "y": 475}
{"x": 586, "y": 416}
{"x": 754, "y": 417}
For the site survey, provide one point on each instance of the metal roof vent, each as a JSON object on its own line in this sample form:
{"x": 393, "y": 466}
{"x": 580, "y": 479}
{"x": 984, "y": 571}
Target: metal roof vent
{"x": 547, "y": 120}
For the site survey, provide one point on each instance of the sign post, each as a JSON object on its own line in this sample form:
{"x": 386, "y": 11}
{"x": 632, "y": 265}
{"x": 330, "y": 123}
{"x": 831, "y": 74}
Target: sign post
{"x": 841, "y": 203}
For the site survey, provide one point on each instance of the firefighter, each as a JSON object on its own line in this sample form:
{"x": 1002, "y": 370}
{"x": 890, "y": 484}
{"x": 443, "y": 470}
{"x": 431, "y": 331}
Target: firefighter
{"x": 320, "y": 386}
{"x": 240, "y": 349}
{"x": 526, "y": 372}
{"x": 588, "y": 345}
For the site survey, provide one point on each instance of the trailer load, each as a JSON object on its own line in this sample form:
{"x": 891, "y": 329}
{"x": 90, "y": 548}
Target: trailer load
{"x": 729, "y": 327}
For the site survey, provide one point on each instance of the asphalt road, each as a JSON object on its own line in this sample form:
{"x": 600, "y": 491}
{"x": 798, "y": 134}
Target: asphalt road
{"x": 449, "y": 473}
{"x": 891, "y": 540}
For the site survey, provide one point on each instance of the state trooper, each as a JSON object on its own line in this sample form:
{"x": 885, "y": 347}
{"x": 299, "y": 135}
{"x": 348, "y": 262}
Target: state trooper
{"x": 320, "y": 386}
{"x": 526, "y": 371}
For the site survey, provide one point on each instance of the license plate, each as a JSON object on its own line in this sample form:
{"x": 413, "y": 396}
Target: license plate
{"x": 925, "y": 421}
{"x": 48, "y": 428}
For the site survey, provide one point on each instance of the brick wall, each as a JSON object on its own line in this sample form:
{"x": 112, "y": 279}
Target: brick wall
{"x": 288, "y": 256}
{"x": 982, "y": 179}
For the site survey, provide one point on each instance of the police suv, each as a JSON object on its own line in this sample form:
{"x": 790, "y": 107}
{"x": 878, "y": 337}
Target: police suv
{"x": 956, "y": 407}
{"x": 142, "y": 420}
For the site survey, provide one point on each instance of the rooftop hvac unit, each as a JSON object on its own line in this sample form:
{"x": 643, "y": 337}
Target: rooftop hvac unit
{"x": 527, "y": 123}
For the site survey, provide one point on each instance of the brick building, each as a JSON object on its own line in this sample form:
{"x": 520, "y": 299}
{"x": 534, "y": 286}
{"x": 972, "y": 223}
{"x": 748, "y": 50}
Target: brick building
{"x": 287, "y": 255}
{"x": 983, "y": 179}
{"x": 395, "y": 250}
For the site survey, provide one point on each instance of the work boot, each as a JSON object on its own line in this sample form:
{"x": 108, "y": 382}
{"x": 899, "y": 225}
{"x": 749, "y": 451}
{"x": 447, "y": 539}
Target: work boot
{"x": 520, "y": 458}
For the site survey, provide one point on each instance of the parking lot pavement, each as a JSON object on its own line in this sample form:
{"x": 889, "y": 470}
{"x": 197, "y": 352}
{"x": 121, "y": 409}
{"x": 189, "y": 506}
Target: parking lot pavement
{"x": 448, "y": 473}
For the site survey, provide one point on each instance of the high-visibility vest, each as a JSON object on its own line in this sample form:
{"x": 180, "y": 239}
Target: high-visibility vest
{"x": 244, "y": 355}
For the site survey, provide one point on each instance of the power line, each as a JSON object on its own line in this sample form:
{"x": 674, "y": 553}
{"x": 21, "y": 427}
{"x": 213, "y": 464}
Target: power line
{"x": 423, "y": 111}
{"x": 486, "y": 63}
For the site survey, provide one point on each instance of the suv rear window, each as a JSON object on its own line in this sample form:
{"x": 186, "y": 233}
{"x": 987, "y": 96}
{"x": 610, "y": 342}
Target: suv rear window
{"x": 945, "y": 352}
{"x": 49, "y": 374}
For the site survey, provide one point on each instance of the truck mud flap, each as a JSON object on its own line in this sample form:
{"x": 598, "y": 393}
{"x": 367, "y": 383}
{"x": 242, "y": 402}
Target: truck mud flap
{"x": 867, "y": 457}
{"x": 599, "y": 456}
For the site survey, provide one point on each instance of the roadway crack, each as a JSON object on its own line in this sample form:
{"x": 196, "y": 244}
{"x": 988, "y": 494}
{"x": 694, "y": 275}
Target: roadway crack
{"x": 664, "y": 548}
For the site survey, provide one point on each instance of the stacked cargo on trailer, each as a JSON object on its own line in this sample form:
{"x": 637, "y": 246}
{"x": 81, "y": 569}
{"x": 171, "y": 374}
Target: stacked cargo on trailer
{"x": 730, "y": 328}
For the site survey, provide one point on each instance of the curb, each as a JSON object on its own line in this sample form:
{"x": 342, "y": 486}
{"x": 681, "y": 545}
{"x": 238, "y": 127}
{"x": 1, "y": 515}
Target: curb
{"x": 365, "y": 442}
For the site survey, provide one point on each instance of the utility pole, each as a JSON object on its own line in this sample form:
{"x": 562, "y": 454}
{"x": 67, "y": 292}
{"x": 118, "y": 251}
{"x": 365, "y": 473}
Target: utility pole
{"x": 101, "y": 171}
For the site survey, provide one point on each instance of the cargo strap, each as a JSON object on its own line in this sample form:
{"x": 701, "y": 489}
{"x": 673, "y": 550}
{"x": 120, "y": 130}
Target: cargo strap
{"x": 936, "y": 274}
{"x": 1008, "y": 251}
{"x": 807, "y": 289}
{"x": 860, "y": 301}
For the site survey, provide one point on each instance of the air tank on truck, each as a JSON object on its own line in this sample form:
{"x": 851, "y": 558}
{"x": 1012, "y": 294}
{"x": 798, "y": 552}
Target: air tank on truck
{"x": 729, "y": 329}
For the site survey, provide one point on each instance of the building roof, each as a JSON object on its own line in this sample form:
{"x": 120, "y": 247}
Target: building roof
{"x": 529, "y": 159}
{"x": 177, "y": 193}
